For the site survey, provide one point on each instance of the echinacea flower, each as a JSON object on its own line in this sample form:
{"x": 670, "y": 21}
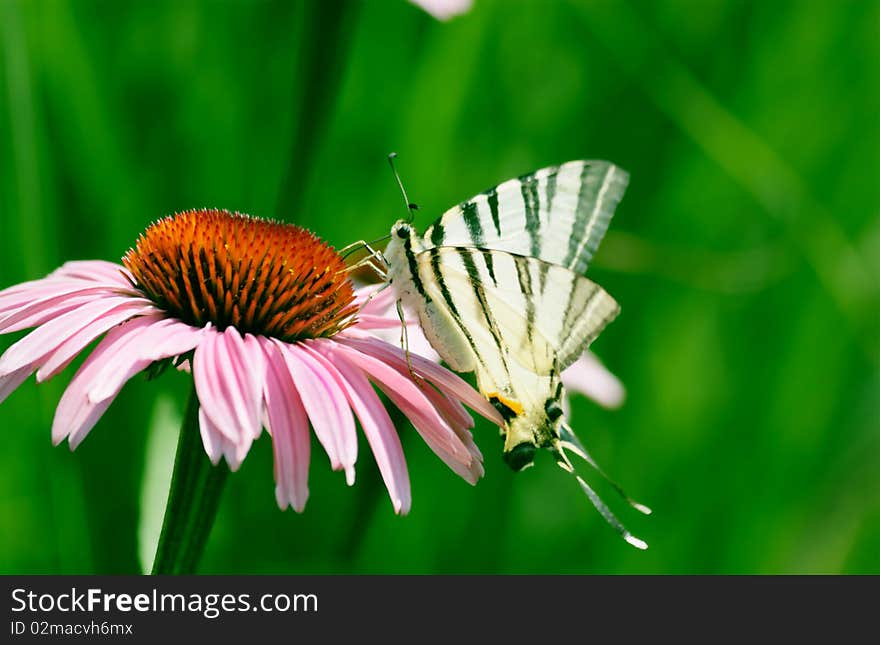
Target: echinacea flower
{"x": 264, "y": 316}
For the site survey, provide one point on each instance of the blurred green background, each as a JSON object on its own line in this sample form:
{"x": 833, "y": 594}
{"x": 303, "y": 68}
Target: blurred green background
{"x": 745, "y": 255}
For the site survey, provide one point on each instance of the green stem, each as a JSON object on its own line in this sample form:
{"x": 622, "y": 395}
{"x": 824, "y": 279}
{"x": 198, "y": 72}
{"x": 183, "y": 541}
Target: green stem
{"x": 196, "y": 486}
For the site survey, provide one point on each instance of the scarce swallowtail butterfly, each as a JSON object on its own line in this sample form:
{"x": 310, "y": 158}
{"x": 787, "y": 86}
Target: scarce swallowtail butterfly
{"x": 497, "y": 284}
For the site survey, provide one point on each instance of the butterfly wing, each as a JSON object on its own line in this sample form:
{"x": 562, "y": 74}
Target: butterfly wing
{"x": 506, "y": 307}
{"x": 557, "y": 214}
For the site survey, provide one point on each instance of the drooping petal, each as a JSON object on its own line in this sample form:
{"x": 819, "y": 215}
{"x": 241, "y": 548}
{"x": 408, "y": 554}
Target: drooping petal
{"x": 228, "y": 377}
{"x": 452, "y": 409}
{"x": 76, "y": 414}
{"x": 450, "y": 383}
{"x": 9, "y": 382}
{"x": 460, "y": 422}
{"x": 165, "y": 338}
{"x": 289, "y": 426}
{"x": 327, "y": 407}
{"x": 125, "y": 351}
{"x": 380, "y": 433}
{"x": 591, "y": 378}
{"x": 411, "y": 400}
{"x": 50, "y": 336}
{"x": 212, "y": 438}
{"x": 68, "y": 350}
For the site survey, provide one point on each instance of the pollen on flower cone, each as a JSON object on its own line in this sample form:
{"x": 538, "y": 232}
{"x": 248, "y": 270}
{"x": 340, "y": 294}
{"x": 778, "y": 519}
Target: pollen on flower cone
{"x": 256, "y": 275}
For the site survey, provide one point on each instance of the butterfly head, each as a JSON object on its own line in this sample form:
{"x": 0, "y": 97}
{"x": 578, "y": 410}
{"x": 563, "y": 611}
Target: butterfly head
{"x": 403, "y": 242}
{"x": 402, "y": 230}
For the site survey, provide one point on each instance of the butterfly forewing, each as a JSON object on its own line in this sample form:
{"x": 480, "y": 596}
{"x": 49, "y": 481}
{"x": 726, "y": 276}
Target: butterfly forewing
{"x": 557, "y": 214}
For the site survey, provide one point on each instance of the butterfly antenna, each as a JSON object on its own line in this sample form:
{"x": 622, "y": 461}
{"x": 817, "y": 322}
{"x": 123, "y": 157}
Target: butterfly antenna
{"x": 564, "y": 463}
{"x": 410, "y": 207}
{"x": 570, "y": 442}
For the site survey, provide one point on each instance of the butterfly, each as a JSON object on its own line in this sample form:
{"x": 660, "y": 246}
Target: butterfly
{"x": 498, "y": 287}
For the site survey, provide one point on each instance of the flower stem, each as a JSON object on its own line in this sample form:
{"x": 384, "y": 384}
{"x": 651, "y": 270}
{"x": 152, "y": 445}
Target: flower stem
{"x": 196, "y": 486}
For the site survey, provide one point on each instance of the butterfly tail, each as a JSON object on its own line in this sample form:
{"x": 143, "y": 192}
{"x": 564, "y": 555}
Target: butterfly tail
{"x": 570, "y": 442}
{"x": 563, "y": 461}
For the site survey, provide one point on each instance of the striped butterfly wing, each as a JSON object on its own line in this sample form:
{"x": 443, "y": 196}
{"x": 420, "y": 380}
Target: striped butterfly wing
{"x": 501, "y": 307}
{"x": 557, "y": 214}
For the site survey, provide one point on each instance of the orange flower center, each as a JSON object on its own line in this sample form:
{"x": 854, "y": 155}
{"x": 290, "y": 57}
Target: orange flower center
{"x": 256, "y": 275}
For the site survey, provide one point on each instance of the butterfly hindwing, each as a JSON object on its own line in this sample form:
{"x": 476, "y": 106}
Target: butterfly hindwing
{"x": 508, "y": 306}
{"x": 558, "y": 214}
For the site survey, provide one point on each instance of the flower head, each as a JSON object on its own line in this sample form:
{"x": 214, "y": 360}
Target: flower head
{"x": 265, "y": 318}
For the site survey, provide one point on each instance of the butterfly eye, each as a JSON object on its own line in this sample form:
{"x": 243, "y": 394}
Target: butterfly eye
{"x": 403, "y": 232}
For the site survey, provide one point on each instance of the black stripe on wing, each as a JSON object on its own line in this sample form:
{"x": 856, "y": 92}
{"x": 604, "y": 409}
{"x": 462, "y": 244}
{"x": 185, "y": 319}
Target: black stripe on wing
{"x": 492, "y": 199}
{"x": 532, "y": 205}
{"x": 467, "y": 258}
{"x": 472, "y": 221}
{"x": 440, "y": 280}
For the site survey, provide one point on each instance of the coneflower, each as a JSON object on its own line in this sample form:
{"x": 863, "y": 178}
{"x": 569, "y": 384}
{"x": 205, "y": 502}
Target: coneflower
{"x": 264, "y": 316}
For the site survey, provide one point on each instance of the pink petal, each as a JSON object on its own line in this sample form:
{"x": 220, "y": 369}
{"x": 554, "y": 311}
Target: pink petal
{"x": 374, "y": 299}
{"x": 212, "y": 438}
{"x": 448, "y": 383}
{"x": 126, "y": 350}
{"x": 591, "y": 378}
{"x": 411, "y": 400}
{"x": 416, "y": 404}
{"x": 44, "y": 308}
{"x": 76, "y": 414}
{"x": 289, "y": 425}
{"x": 218, "y": 446}
{"x": 98, "y": 271}
{"x": 452, "y": 409}
{"x": 460, "y": 422}
{"x": 444, "y": 9}
{"x": 379, "y": 431}
{"x": 10, "y": 381}
{"x": 324, "y": 400}
{"x": 228, "y": 371}
{"x": 371, "y": 321}
{"x": 67, "y": 351}
{"x": 164, "y": 338}
{"x": 378, "y": 309}
{"x": 55, "y": 332}
{"x": 21, "y": 294}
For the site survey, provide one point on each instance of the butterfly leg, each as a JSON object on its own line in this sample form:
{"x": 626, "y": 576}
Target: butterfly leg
{"x": 368, "y": 263}
{"x": 404, "y": 343}
{"x": 378, "y": 266}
